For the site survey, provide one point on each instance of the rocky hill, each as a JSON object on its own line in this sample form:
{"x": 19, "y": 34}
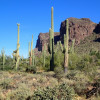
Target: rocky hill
{"x": 79, "y": 29}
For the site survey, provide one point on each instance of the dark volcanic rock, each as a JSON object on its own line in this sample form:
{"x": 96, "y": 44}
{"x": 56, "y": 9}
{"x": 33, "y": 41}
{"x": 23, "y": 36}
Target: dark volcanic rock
{"x": 78, "y": 29}
{"x": 43, "y": 38}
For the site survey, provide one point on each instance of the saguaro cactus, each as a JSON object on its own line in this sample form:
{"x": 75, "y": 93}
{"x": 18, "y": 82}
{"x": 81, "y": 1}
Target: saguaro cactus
{"x": 72, "y": 48}
{"x": 29, "y": 48}
{"x": 44, "y": 55}
{"x": 66, "y": 38}
{"x": 16, "y": 52}
{"x": 31, "y": 52}
{"x": 3, "y": 57}
{"x": 33, "y": 59}
{"x": 32, "y": 46}
{"x": 51, "y": 44}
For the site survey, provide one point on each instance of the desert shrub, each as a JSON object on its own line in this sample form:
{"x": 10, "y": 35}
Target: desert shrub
{"x": 60, "y": 92}
{"x": 58, "y": 59}
{"x": 31, "y": 69}
{"x": 6, "y": 84}
{"x": 19, "y": 94}
{"x": 98, "y": 55}
{"x": 98, "y": 62}
{"x": 86, "y": 64}
{"x": 59, "y": 72}
{"x": 39, "y": 61}
{"x": 47, "y": 63}
{"x": 73, "y": 60}
{"x": 8, "y": 63}
{"x": 92, "y": 52}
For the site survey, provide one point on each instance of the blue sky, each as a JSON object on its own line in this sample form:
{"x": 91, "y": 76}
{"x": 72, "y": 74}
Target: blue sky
{"x": 34, "y": 17}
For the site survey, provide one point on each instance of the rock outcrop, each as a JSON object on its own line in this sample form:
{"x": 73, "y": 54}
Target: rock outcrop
{"x": 43, "y": 38}
{"x": 78, "y": 29}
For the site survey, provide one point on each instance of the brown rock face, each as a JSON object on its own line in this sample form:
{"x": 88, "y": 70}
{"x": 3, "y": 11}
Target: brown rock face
{"x": 78, "y": 29}
{"x": 43, "y": 38}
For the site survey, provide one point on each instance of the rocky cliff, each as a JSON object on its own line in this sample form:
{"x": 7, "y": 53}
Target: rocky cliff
{"x": 78, "y": 30}
{"x": 43, "y": 38}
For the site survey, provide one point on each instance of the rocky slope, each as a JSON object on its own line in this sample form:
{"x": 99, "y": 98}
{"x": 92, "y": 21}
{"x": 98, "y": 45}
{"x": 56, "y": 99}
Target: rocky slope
{"x": 79, "y": 29}
{"x": 43, "y": 38}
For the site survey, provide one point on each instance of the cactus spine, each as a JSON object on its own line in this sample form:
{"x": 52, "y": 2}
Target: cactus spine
{"x": 66, "y": 38}
{"x": 51, "y": 44}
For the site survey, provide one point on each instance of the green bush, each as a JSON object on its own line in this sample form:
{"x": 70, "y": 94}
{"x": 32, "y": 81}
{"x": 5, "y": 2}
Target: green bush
{"x": 73, "y": 60}
{"x": 58, "y": 59}
{"x": 31, "y": 69}
{"x": 47, "y": 63}
{"x": 59, "y": 72}
{"x": 60, "y": 92}
{"x": 6, "y": 84}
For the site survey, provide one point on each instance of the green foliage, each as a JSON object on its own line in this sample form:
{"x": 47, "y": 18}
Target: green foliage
{"x": 72, "y": 47}
{"x": 59, "y": 73}
{"x": 47, "y": 63}
{"x": 86, "y": 63}
{"x": 31, "y": 69}
{"x": 73, "y": 60}
{"x": 20, "y": 94}
{"x": 6, "y": 84}
{"x": 60, "y": 92}
{"x": 59, "y": 56}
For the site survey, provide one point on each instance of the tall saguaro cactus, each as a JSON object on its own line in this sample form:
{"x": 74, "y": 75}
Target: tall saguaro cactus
{"x": 66, "y": 40}
{"x": 51, "y": 44}
{"x": 18, "y": 45}
{"x": 52, "y": 22}
{"x": 16, "y": 52}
